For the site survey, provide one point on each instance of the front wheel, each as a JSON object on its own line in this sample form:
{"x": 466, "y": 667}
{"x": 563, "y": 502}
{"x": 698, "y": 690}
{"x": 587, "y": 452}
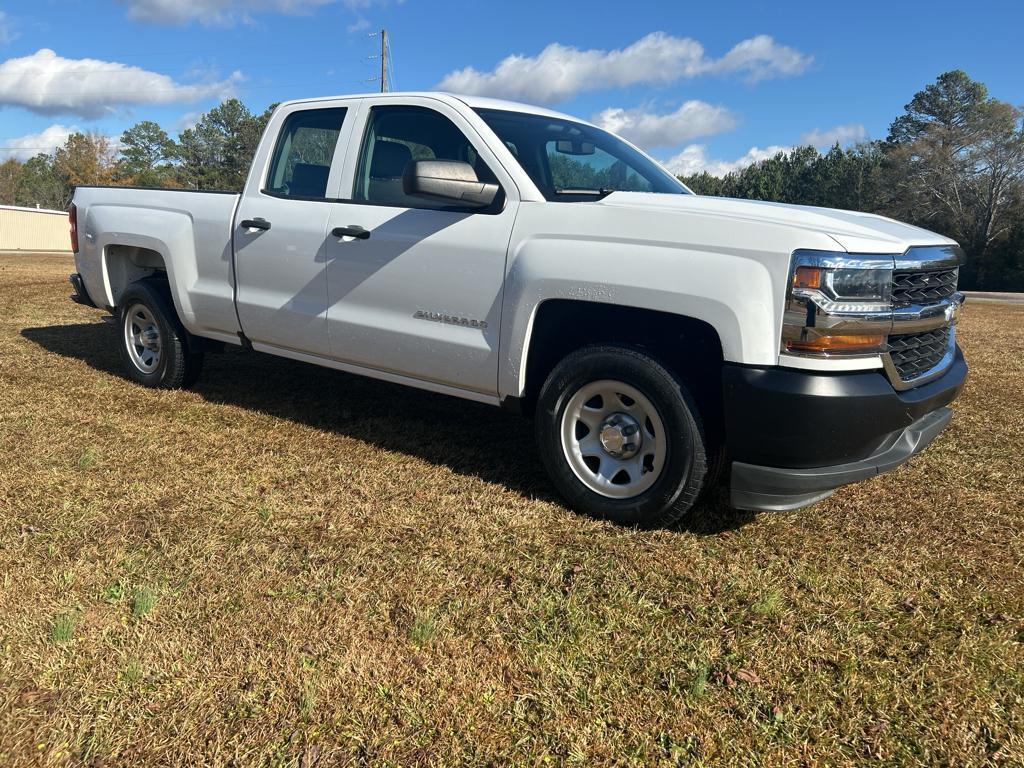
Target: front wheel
{"x": 154, "y": 345}
{"x": 621, "y": 437}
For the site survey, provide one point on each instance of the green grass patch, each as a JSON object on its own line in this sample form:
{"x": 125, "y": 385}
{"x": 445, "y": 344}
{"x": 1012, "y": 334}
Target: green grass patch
{"x": 62, "y": 628}
{"x": 143, "y": 601}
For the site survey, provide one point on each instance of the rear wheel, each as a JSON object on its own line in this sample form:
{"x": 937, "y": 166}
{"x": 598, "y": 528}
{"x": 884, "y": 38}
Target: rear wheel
{"x": 621, "y": 437}
{"x": 154, "y": 345}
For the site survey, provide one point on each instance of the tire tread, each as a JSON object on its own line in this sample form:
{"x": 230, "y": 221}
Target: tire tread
{"x": 691, "y": 492}
{"x": 181, "y": 367}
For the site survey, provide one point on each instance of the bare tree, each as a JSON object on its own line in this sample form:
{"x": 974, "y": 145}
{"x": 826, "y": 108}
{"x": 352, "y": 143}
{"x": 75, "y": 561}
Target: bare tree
{"x": 957, "y": 157}
{"x": 85, "y": 158}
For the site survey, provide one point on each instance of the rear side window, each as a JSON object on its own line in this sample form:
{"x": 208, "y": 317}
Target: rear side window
{"x": 302, "y": 158}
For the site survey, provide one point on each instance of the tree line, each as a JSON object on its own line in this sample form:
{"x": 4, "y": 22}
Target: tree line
{"x": 213, "y": 154}
{"x": 953, "y": 162}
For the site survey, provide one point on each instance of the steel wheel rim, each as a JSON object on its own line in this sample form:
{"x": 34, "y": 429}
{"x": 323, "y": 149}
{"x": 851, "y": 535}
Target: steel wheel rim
{"x": 142, "y": 338}
{"x": 597, "y": 418}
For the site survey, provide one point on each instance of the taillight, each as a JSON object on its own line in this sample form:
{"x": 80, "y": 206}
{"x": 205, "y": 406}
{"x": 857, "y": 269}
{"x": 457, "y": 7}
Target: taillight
{"x": 73, "y": 221}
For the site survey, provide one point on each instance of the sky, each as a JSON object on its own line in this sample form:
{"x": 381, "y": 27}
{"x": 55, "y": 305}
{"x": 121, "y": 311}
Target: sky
{"x": 699, "y": 85}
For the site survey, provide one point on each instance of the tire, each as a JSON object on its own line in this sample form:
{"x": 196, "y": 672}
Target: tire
{"x": 652, "y": 481}
{"x": 155, "y": 347}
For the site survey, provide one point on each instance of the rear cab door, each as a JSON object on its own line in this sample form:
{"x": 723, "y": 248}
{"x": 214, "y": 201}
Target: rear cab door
{"x": 280, "y": 228}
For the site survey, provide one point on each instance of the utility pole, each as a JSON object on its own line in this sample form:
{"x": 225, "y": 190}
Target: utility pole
{"x": 383, "y": 61}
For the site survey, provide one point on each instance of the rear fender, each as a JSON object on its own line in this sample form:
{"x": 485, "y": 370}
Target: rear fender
{"x": 175, "y": 245}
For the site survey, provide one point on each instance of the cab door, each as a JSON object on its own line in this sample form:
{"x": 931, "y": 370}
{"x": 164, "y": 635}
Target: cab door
{"x": 281, "y": 226}
{"x": 418, "y": 292}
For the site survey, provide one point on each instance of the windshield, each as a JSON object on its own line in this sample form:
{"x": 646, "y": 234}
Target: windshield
{"x": 570, "y": 161}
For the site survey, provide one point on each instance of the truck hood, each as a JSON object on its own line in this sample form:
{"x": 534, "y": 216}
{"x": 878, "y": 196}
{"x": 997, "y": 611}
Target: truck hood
{"x": 854, "y": 232}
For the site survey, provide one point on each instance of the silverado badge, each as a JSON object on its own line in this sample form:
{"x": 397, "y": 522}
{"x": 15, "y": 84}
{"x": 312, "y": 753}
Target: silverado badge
{"x": 442, "y": 317}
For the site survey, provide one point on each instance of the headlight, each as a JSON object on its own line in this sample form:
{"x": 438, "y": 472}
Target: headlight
{"x": 846, "y": 285}
{"x": 837, "y": 304}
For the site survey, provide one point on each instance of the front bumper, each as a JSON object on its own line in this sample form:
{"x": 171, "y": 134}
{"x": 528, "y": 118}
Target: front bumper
{"x": 795, "y": 436}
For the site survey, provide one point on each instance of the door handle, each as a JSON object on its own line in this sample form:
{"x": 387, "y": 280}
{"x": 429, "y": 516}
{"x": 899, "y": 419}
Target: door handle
{"x": 256, "y": 223}
{"x": 353, "y": 230}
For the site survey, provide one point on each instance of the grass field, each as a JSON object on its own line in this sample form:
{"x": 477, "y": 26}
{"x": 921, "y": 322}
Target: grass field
{"x": 292, "y": 566}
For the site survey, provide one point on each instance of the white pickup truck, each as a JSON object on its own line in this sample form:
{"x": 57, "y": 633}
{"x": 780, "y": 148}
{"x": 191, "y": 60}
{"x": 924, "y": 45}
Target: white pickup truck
{"x": 511, "y": 255}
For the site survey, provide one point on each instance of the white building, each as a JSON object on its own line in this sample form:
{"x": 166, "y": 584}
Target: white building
{"x": 34, "y": 229}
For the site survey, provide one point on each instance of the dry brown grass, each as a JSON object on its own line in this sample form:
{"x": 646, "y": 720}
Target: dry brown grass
{"x": 290, "y": 566}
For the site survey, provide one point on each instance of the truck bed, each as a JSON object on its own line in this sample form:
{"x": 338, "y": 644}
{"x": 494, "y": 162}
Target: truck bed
{"x": 185, "y": 232}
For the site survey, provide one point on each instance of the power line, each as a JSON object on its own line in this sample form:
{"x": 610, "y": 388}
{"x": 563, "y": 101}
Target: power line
{"x": 136, "y": 69}
{"x": 392, "y": 75}
{"x": 386, "y": 81}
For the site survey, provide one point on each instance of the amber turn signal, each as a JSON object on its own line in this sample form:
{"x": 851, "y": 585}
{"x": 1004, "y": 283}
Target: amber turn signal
{"x": 807, "y": 277}
{"x": 845, "y": 343}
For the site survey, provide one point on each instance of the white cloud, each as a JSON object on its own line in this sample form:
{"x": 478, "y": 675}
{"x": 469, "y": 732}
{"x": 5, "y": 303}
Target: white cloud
{"x": 694, "y": 159}
{"x": 761, "y": 58}
{"x": 692, "y": 120}
{"x": 33, "y": 144}
{"x": 559, "y": 71}
{"x": 229, "y": 12}
{"x": 356, "y": 5}
{"x": 187, "y": 120}
{"x": 357, "y": 26}
{"x": 7, "y": 33}
{"x": 219, "y": 12}
{"x": 50, "y": 84}
{"x": 843, "y": 134}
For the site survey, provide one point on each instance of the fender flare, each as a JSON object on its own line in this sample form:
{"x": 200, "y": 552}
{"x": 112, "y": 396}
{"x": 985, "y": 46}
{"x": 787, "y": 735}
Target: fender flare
{"x": 747, "y": 329}
{"x": 122, "y": 226}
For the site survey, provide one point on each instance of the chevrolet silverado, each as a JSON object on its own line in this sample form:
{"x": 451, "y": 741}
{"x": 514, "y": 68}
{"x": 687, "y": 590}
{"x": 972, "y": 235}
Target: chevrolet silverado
{"x": 663, "y": 342}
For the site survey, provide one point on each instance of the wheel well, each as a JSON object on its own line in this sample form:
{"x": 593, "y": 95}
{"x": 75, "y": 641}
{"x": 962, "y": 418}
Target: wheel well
{"x": 689, "y": 347}
{"x": 127, "y": 264}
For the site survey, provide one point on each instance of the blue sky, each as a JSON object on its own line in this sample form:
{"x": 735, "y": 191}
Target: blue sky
{"x": 700, "y": 85}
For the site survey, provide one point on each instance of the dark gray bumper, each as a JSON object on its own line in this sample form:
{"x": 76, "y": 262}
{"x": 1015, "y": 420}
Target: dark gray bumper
{"x": 779, "y": 489}
{"x": 80, "y": 296}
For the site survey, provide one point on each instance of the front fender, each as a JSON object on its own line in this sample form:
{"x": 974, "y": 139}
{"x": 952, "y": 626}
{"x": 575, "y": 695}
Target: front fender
{"x": 732, "y": 293}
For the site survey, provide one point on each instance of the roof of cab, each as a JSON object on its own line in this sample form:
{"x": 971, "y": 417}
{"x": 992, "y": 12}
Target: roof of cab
{"x": 474, "y": 102}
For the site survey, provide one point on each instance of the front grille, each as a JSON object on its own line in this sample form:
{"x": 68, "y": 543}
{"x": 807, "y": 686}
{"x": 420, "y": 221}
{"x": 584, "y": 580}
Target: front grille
{"x": 914, "y": 354}
{"x": 917, "y": 287}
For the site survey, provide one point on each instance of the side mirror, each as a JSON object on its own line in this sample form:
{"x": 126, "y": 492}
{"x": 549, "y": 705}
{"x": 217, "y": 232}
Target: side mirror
{"x": 450, "y": 181}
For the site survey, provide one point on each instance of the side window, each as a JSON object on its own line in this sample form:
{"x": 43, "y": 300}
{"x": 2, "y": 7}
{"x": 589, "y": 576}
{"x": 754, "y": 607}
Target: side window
{"x": 399, "y": 134}
{"x": 581, "y": 165}
{"x": 305, "y": 148}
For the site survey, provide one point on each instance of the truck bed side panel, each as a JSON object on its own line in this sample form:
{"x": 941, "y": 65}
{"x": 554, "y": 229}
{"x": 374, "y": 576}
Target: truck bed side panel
{"x": 191, "y": 232}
